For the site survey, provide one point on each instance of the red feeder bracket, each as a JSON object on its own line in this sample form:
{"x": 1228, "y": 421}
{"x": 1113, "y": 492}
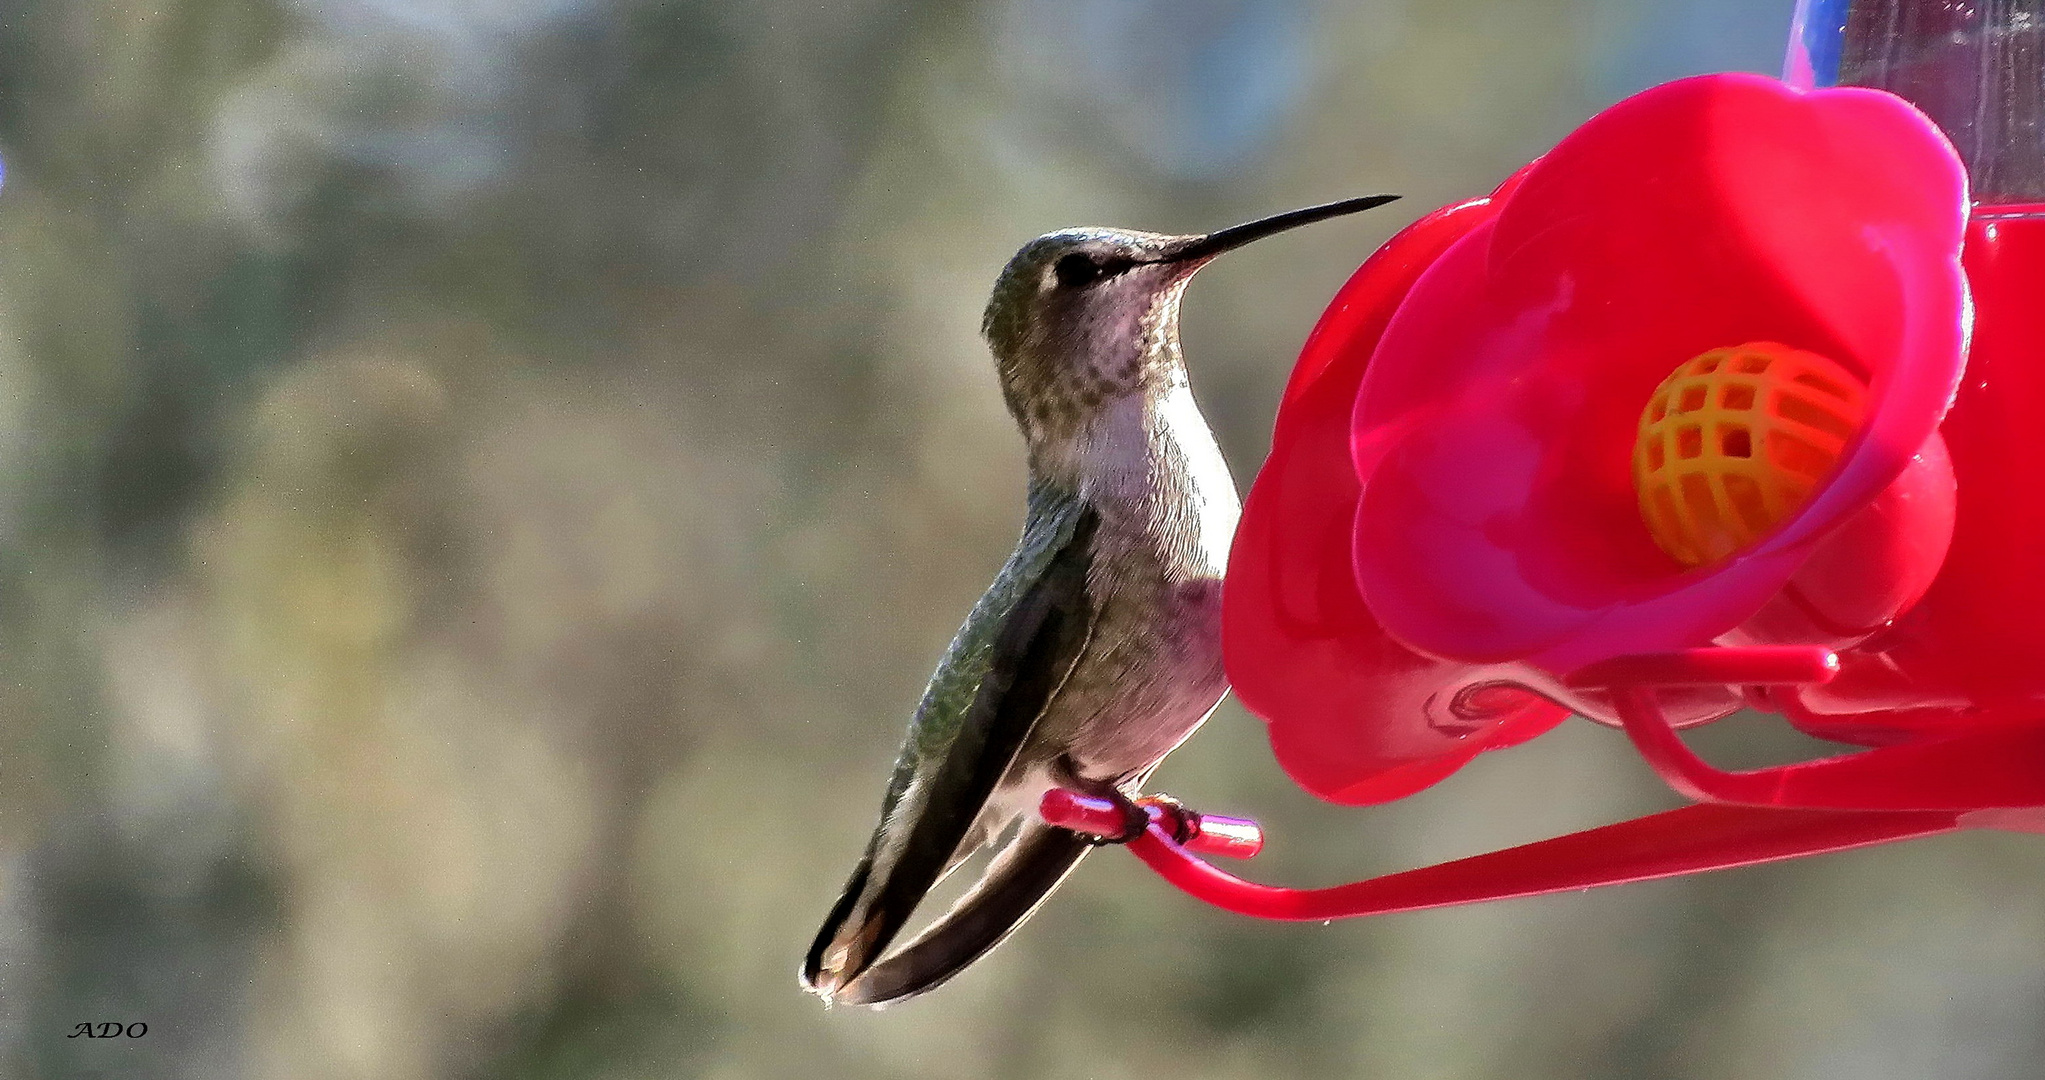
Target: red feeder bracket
{"x": 1878, "y": 796}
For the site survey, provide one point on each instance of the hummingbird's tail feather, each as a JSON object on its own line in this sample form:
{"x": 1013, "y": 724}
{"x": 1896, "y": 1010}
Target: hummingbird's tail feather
{"x": 870, "y": 912}
{"x": 1014, "y": 886}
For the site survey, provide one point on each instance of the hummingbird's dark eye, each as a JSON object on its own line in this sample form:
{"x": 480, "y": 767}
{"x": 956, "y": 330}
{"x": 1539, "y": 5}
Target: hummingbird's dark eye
{"x": 1076, "y": 270}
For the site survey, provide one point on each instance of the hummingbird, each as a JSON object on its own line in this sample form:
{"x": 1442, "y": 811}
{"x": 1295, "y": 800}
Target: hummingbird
{"x": 1097, "y": 649}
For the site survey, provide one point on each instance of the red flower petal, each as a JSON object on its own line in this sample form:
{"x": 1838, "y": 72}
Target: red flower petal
{"x": 1355, "y": 716}
{"x": 1379, "y": 624}
{"x": 1495, "y": 425}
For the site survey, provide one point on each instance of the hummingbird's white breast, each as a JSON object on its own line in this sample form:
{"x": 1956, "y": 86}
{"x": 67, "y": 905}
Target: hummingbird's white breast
{"x": 1168, "y": 509}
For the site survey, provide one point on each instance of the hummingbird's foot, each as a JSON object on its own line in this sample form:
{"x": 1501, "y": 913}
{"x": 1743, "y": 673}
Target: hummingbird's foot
{"x": 1178, "y": 821}
{"x": 1115, "y": 818}
{"x": 1098, "y": 816}
{"x": 1135, "y": 818}
{"x": 1109, "y": 815}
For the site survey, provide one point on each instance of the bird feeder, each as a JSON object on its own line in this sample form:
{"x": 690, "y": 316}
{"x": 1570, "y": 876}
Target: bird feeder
{"x": 1730, "y": 401}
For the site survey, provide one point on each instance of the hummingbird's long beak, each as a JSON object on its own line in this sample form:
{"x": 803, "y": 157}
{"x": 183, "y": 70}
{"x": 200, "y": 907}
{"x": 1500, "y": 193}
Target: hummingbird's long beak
{"x": 1206, "y": 247}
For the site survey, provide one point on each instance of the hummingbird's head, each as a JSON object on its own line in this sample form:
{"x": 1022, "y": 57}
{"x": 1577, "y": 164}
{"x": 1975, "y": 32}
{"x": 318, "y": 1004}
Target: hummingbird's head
{"x": 1082, "y": 316}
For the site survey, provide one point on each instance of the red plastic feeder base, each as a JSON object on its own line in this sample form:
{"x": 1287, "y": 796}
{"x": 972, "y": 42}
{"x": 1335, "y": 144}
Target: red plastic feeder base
{"x": 1992, "y": 779}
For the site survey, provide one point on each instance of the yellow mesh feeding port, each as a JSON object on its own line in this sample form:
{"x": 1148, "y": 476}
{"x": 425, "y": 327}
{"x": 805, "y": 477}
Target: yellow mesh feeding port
{"x": 1735, "y": 440}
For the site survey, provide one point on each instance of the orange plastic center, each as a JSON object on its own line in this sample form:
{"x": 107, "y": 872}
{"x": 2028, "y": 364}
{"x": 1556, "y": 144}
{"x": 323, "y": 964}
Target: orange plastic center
{"x": 1734, "y": 441}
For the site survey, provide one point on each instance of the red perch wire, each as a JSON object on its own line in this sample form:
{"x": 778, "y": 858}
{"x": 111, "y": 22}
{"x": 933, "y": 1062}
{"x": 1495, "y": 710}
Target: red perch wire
{"x": 1742, "y": 818}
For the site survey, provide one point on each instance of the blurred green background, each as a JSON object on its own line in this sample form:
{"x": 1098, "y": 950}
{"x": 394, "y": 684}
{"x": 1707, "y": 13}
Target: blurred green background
{"x": 482, "y": 483}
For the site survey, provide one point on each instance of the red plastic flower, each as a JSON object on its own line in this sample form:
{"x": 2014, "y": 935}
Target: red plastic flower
{"x": 1967, "y": 654}
{"x": 1448, "y": 523}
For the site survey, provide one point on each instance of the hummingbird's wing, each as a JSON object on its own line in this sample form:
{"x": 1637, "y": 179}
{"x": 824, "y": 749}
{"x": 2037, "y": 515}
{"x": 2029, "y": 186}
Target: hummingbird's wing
{"x": 1003, "y": 668}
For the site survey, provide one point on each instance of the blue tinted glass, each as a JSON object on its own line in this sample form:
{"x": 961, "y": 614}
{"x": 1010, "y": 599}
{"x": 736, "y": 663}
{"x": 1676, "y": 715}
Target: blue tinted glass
{"x": 1815, "y": 38}
{"x": 1977, "y": 67}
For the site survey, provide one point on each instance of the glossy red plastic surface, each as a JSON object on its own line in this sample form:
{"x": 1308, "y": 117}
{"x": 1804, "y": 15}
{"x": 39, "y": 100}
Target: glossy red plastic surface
{"x": 1973, "y": 650}
{"x": 1977, "y": 770}
{"x": 1355, "y": 716}
{"x": 1672, "y": 844}
{"x": 1494, "y": 428}
{"x": 1758, "y": 666}
{"x": 1445, "y": 538}
{"x": 1484, "y": 374}
{"x": 1979, "y": 779}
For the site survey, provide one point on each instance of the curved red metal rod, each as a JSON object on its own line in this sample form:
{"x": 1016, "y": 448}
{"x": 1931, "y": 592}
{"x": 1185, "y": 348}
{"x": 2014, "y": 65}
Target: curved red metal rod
{"x": 1979, "y": 771}
{"x": 1757, "y": 665}
{"x": 1974, "y": 771}
{"x": 1685, "y": 841}
{"x": 1872, "y": 797}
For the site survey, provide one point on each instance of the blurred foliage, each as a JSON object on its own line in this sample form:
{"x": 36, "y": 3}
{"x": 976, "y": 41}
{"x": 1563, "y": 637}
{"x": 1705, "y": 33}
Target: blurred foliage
{"x": 482, "y": 483}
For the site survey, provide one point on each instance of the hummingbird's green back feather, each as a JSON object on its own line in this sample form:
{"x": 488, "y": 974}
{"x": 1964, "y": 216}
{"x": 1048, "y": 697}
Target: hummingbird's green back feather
{"x": 1002, "y": 668}
{"x": 1054, "y": 518}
